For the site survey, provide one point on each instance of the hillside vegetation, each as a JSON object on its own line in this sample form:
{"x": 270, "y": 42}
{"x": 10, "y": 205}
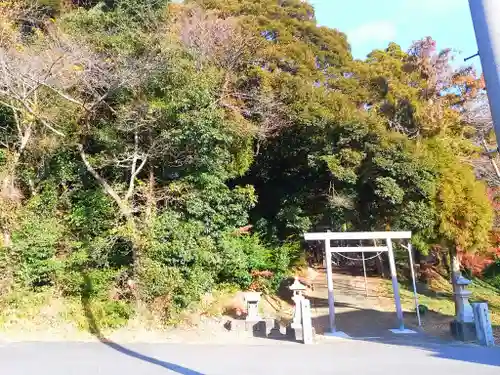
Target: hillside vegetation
{"x": 154, "y": 151}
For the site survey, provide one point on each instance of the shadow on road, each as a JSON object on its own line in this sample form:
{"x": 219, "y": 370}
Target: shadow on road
{"x": 95, "y": 330}
{"x": 373, "y": 326}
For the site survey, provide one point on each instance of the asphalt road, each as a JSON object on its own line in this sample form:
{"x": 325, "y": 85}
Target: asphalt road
{"x": 333, "y": 357}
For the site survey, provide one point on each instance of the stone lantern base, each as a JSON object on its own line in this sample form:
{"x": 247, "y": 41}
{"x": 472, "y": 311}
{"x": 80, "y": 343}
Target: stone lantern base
{"x": 463, "y": 331}
{"x": 262, "y": 328}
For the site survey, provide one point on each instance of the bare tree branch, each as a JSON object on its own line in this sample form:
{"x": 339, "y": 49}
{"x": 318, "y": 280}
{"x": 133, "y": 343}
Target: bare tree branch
{"x": 126, "y": 211}
{"x": 134, "y": 171}
{"x": 478, "y": 114}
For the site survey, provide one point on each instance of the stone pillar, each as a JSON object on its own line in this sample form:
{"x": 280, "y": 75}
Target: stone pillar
{"x": 463, "y": 328}
{"x": 307, "y": 329}
{"x": 297, "y": 312}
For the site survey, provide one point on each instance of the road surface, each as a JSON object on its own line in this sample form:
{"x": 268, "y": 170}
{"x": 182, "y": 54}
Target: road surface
{"x": 336, "y": 356}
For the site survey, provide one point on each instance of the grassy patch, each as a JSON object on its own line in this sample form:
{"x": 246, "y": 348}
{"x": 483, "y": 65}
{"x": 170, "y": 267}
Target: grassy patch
{"x": 439, "y": 299}
{"x": 25, "y": 314}
{"x": 26, "y": 310}
{"x": 46, "y": 311}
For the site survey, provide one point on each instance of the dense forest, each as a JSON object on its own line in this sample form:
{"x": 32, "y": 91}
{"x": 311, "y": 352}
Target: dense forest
{"x": 152, "y": 151}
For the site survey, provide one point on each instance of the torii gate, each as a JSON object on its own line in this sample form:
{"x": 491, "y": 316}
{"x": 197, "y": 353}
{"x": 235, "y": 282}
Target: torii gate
{"x": 388, "y": 237}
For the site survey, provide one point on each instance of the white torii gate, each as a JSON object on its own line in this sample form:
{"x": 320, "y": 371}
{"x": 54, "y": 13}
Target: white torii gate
{"x": 327, "y": 237}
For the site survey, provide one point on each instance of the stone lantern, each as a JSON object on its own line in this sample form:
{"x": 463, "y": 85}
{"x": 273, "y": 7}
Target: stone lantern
{"x": 465, "y": 313}
{"x": 463, "y": 328}
{"x": 298, "y": 289}
{"x": 298, "y": 298}
{"x": 252, "y": 303}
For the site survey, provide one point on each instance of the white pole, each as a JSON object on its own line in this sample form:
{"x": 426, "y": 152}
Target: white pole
{"x": 414, "y": 283}
{"x": 486, "y": 19}
{"x": 395, "y": 285}
{"x": 364, "y": 272}
{"x": 329, "y": 281}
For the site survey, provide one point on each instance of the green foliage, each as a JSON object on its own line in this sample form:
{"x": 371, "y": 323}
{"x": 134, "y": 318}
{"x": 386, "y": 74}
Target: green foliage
{"x": 37, "y": 242}
{"x": 465, "y": 215}
{"x": 121, "y": 25}
{"x": 240, "y": 255}
{"x": 109, "y": 314}
{"x": 492, "y": 274}
{"x": 388, "y": 189}
{"x": 243, "y": 256}
{"x": 159, "y": 280}
{"x": 339, "y": 169}
{"x": 181, "y": 259}
{"x": 35, "y": 248}
{"x": 92, "y": 213}
{"x": 181, "y": 243}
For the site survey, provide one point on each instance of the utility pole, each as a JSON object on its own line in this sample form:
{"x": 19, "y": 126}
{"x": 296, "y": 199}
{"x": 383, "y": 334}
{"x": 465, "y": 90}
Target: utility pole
{"x": 486, "y": 19}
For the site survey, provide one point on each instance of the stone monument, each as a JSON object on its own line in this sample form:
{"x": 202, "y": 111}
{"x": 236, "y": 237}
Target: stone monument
{"x": 482, "y": 320}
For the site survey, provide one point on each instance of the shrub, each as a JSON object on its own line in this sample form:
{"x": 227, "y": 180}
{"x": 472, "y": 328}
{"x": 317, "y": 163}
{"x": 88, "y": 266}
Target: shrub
{"x": 158, "y": 280}
{"x": 492, "y": 274}
{"x": 102, "y": 314}
{"x": 247, "y": 262}
{"x": 182, "y": 261}
{"x": 35, "y": 246}
{"x": 239, "y": 256}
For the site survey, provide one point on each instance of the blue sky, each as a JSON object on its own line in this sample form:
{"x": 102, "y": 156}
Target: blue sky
{"x": 372, "y": 24}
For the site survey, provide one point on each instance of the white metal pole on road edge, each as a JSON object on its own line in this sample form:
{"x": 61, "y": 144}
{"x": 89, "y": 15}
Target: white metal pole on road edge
{"x": 486, "y": 19}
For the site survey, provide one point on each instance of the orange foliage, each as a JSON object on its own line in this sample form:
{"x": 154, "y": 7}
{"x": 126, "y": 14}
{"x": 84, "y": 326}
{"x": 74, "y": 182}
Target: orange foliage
{"x": 259, "y": 280}
{"x": 243, "y": 230}
{"x": 494, "y": 197}
{"x": 471, "y": 83}
{"x": 476, "y": 262}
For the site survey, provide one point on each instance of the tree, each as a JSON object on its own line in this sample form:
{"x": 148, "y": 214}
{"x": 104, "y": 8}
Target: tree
{"x": 465, "y": 217}
{"x": 43, "y": 82}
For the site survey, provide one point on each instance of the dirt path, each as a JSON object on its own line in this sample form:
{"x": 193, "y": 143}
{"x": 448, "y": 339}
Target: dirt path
{"x": 359, "y": 312}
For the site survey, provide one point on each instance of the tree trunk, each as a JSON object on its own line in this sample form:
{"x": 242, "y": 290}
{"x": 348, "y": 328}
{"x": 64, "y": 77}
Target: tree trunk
{"x": 10, "y": 195}
{"x": 7, "y": 240}
{"x": 150, "y": 199}
{"x": 455, "y": 272}
{"x": 135, "y": 239}
{"x": 379, "y": 263}
{"x": 126, "y": 210}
